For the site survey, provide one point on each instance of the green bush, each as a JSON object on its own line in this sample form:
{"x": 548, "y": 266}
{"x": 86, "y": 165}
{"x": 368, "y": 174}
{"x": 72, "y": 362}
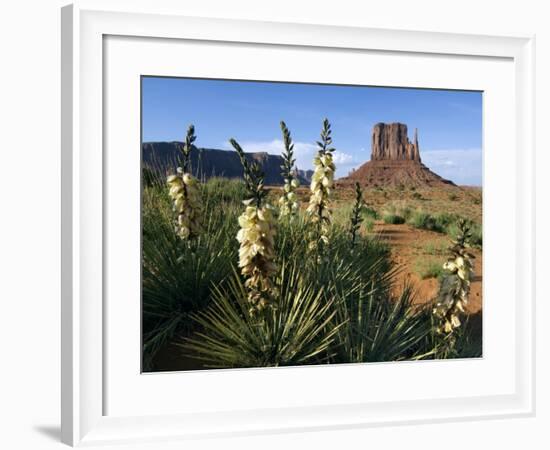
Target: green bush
{"x": 393, "y": 219}
{"x": 428, "y": 268}
{"x": 445, "y": 223}
{"x": 425, "y": 221}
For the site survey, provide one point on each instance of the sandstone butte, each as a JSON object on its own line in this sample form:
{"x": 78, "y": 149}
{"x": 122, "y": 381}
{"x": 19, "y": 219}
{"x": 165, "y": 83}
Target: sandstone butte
{"x": 395, "y": 161}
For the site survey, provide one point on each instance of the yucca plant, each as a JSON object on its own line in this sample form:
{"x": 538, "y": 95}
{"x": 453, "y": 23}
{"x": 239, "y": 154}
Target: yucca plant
{"x": 183, "y": 191}
{"x": 177, "y": 278}
{"x": 256, "y": 238}
{"x": 294, "y": 333}
{"x": 321, "y": 187}
{"x": 288, "y": 202}
{"x": 454, "y": 289}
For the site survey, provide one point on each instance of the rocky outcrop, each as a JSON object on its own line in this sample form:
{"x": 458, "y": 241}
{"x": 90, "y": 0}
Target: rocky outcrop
{"x": 395, "y": 161}
{"x": 161, "y": 158}
{"x": 391, "y": 142}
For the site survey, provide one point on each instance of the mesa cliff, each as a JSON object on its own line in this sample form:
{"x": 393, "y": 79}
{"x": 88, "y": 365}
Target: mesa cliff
{"x": 395, "y": 161}
{"x": 161, "y": 158}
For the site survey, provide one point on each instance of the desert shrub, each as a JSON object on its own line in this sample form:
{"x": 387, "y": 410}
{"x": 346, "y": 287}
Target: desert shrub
{"x": 428, "y": 268}
{"x": 396, "y": 212}
{"x": 446, "y": 219}
{"x": 417, "y": 196}
{"x": 425, "y": 221}
{"x": 398, "y": 208}
{"x": 452, "y": 197}
{"x": 393, "y": 219}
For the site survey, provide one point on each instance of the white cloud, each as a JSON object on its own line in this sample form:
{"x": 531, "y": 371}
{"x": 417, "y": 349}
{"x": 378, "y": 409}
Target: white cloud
{"x": 304, "y": 152}
{"x": 462, "y": 166}
{"x": 342, "y": 158}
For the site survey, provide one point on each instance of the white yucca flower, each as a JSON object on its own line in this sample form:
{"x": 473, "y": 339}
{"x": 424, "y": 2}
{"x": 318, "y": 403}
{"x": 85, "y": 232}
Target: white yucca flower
{"x": 256, "y": 253}
{"x": 322, "y": 183}
{"x": 183, "y": 191}
{"x": 455, "y": 286}
{"x": 256, "y": 237}
{"x": 288, "y": 202}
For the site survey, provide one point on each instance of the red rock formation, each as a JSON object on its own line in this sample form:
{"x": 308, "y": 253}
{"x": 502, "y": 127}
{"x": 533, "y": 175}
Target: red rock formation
{"x": 395, "y": 161}
{"x": 391, "y": 142}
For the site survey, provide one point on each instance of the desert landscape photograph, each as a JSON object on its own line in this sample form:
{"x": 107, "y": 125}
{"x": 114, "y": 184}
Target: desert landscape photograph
{"x": 296, "y": 224}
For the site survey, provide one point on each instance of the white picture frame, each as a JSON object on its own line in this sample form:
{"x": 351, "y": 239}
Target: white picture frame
{"x": 85, "y": 418}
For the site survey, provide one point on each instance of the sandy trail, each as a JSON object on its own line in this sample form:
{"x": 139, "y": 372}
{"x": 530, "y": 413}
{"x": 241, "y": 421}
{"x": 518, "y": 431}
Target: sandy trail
{"x": 411, "y": 247}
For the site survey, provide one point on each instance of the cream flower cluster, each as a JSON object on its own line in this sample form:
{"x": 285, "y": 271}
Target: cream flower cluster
{"x": 449, "y": 308}
{"x": 321, "y": 187}
{"x": 183, "y": 191}
{"x": 256, "y": 254}
{"x": 288, "y": 203}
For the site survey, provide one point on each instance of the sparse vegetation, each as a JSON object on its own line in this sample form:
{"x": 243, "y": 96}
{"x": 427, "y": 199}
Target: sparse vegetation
{"x": 428, "y": 268}
{"x": 445, "y": 223}
{"x": 435, "y": 248}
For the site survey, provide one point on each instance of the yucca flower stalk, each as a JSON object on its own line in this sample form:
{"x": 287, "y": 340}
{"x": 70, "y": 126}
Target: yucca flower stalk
{"x": 256, "y": 238}
{"x": 321, "y": 187}
{"x": 288, "y": 203}
{"x": 455, "y": 285}
{"x": 356, "y": 219}
{"x": 183, "y": 190}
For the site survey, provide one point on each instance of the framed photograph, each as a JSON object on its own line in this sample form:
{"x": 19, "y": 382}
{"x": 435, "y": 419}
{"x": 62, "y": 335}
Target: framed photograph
{"x": 274, "y": 227}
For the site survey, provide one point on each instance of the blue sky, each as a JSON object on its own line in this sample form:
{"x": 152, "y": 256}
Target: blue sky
{"x": 449, "y": 122}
